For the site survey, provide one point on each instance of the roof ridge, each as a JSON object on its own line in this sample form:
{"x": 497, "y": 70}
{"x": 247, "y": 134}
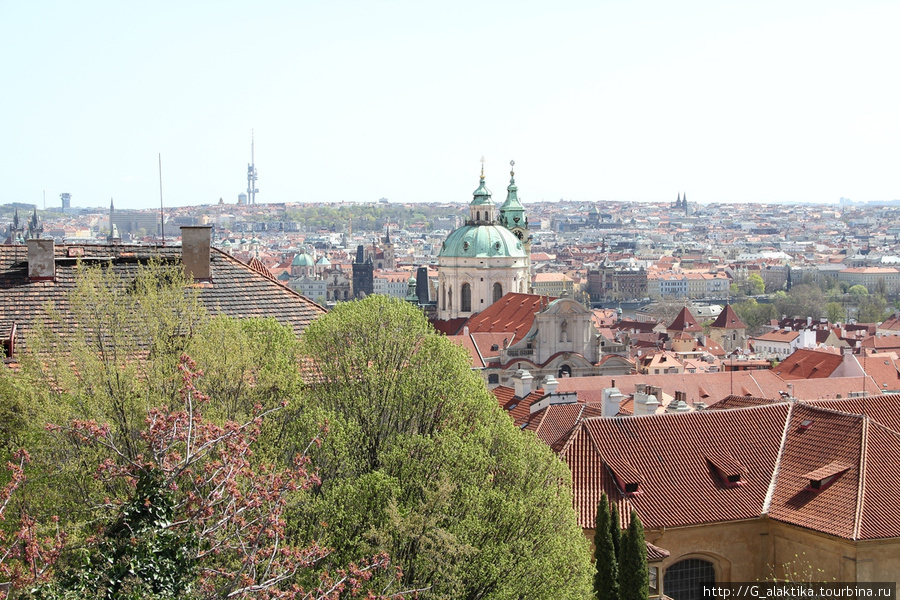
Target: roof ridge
{"x": 843, "y": 413}
{"x": 776, "y": 469}
{"x": 861, "y": 487}
{"x": 580, "y": 426}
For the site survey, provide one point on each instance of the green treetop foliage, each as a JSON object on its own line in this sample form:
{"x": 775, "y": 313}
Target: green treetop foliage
{"x": 615, "y": 529}
{"x": 755, "y": 284}
{"x": 858, "y": 292}
{"x": 633, "y": 573}
{"x": 114, "y": 355}
{"x": 369, "y": 216}
{"x": 872, "y": 309}
{"x": 606, "y": 577}
{"x": 754, "y": 314}
{"x": 421, "y": 463}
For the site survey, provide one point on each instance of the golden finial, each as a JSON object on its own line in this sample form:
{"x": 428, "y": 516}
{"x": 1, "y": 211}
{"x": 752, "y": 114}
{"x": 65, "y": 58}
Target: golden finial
{"x": 512, "y": 168}
{"x": 482, "y": 167}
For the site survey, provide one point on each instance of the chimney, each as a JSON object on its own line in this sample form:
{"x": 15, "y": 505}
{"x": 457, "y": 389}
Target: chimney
{"x": 41, "y": 262}
{"x": 644, "y": 403}
{"x": 522, "y": 383}
{"x": 550, "y": 385}
{"x": 612, "y": 400}
{"x": 195, "y": 241}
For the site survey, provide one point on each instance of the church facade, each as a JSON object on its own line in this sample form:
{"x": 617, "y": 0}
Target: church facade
{"x": 487, "y": 257}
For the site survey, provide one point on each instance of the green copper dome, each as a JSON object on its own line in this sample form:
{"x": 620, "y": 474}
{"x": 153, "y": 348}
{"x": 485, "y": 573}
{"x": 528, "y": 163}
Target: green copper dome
{"x": 303, "y": 260}
{"x": 471, "y": 241}
{"x": 482, "y": 195}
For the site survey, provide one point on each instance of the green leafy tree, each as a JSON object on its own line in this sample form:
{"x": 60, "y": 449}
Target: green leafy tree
{"x": 858, "y": 292}
{"x": 835, "y": 312}
{"x": 421, "y": 463}
{"x": 633, "y": 573}
{"x": 606, "y": 578}
{"x": 873, "y": 309}
{"x": 755, "y": 284}
{"x": 801, "y": 302}
{"x": 754, "y": 314}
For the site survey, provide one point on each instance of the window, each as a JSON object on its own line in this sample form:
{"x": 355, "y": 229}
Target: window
{"x": 685, "y": 579}
{"x": 498, "y": 292}
{"x": 466, "y": 298}
{"x": 493, "y": 378}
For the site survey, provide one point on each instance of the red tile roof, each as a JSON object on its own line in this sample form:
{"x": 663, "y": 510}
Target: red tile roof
{"x": 513, "y": 313}
{"x": 805, "y": 363}
{"x": 669, "y": 453}
{"x": 779, "y": 452}
{"x": 685, "y": 321}
{"x": 728, "y": 319}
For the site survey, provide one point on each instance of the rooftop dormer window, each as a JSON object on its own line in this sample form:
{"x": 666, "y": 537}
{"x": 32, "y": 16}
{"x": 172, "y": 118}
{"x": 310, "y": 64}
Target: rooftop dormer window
{"x": 821, "y": 479}
{"x": 627, "y": 479}
{"x": 727, "y": 469}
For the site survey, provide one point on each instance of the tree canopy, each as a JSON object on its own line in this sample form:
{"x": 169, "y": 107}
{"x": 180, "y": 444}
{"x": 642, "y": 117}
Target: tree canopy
{"x": 417, "y": 480}
{"x": 421, "y": 463}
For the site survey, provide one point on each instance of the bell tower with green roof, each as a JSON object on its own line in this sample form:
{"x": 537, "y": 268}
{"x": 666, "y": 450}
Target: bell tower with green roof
{"x": 512, "y": 213}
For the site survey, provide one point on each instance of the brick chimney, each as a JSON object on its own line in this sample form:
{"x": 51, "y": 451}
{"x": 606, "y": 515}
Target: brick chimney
{"x": 195, "y": 242}
{"x": 41, "y": 262}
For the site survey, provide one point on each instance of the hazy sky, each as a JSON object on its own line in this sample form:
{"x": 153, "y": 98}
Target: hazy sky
{"x": 598, "y": 100}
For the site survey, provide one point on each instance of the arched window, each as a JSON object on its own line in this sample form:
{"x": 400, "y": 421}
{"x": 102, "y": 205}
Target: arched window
{"x": 450, "y": 297}
{"x": 465, "y": 298}
{"x": 498, "y": 292}
{"x": 444, "y": 296}
{"x": 685, "y": 579}
{"x": 564, "y": 371}
{"x": 478, "y": 216}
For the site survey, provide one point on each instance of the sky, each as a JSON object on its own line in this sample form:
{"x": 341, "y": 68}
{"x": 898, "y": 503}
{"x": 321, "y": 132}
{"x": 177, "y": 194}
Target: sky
{"x": 724, "y": 101}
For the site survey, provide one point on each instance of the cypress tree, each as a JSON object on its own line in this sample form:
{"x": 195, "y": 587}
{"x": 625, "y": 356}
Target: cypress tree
{"x": 615, "y": 531}
{"x": 633, "y": 562}
{"x": 606, "y": 577}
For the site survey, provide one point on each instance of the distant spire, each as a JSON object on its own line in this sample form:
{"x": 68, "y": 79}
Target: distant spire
{"x": 112, "y": 207}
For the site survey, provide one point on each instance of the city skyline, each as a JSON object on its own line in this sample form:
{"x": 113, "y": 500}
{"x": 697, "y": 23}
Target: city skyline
{"x": 347, "y": 101}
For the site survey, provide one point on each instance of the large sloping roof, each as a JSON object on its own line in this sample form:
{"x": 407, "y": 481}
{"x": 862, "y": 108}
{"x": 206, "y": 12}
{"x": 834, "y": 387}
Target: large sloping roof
{"x": 829, "y": 466}
{"x": 805, "y": 363}
{"x": 685, "y": 321}
{"x": 234, "y": 288}
{"x": 728, "y": 319}
{"x": 512, "y": 313}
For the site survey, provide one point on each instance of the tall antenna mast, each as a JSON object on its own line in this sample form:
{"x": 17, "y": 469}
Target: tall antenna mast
{"x": 251, "y": 175}
{"x": 162, "y": 215}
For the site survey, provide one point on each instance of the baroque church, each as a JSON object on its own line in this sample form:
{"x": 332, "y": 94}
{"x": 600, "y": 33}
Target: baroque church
{"x": 484, "y": 301}
{"x": 487, "y": 257}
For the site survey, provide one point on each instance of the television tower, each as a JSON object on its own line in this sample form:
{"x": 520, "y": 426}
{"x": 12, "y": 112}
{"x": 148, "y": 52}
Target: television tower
{"x": 251, "y": 176}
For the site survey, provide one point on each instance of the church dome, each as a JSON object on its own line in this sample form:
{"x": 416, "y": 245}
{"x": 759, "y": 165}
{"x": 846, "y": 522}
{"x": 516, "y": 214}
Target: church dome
{"x": 472, "y": 241}
{"x": 303, "y": 260}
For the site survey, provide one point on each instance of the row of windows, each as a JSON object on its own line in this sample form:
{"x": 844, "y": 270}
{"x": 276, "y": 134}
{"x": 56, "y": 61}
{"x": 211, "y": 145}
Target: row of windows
{"x": 465, "y": 299}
